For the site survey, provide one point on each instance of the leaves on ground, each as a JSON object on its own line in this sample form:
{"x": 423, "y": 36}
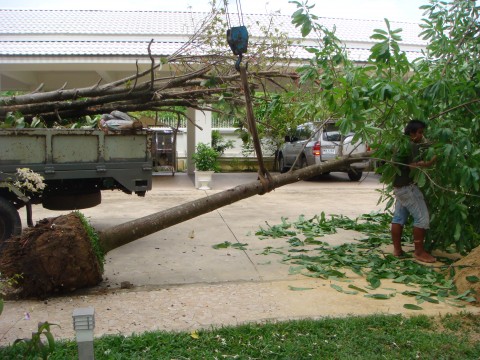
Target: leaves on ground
{"x": 307, "y": 254}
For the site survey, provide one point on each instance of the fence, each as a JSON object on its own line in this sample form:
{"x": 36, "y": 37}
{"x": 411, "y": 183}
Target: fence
{"x": 217, "y": 123}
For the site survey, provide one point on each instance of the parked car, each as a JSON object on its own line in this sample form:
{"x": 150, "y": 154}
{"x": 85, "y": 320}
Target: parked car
{"x": 317, "y": 144}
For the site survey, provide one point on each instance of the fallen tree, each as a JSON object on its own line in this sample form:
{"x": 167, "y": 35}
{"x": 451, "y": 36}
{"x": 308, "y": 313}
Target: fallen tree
{"x": 57, "y": 256}
{"x": 193, "y": 90}
{"x": 374, "y": 101}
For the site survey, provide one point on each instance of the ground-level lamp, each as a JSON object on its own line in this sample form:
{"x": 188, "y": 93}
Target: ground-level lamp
{"x": 83, "y": 324}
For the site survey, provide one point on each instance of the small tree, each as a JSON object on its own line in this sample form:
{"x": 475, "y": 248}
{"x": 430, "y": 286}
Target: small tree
{"x": 205, "y": 158}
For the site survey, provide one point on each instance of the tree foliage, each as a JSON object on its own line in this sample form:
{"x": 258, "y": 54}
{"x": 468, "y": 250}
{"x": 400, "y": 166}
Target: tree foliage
{"x": 442, "y": 88}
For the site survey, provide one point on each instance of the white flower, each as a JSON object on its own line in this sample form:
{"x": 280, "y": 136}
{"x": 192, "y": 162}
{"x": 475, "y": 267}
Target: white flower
{"x": 28, "y": 180}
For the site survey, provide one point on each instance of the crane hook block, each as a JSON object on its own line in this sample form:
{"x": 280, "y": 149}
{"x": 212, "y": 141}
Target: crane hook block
{"x": 237, "y": 38}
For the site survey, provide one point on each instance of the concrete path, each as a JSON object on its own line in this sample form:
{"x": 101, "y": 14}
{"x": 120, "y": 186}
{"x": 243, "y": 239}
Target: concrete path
{"x": 175, "y": 280}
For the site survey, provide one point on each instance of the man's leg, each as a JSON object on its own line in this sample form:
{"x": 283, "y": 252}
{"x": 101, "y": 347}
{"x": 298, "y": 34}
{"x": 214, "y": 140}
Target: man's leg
{"x": 397, "y": 231}
{"x": 420, "y": 253}
{"x": 400, "y": 216}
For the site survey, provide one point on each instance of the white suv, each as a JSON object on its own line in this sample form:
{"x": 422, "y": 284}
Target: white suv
{"x": 318, "y": 144}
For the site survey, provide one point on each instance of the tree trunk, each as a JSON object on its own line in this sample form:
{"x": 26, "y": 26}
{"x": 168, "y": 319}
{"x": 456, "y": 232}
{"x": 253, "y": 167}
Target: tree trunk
{"x": 57, "y": 256}
{"x": 122, "y": 234}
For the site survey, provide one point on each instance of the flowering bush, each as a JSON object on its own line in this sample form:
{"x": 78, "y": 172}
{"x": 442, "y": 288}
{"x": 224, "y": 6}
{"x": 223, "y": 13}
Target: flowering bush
{"x": 29, "y": 181}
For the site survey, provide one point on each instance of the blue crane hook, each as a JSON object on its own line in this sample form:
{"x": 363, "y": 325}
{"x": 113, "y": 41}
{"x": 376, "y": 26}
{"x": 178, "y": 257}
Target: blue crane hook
{"x": 237, "y": 38}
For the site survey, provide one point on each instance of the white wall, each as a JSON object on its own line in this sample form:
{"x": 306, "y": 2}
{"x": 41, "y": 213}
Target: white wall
{"x": 226, "y": 133}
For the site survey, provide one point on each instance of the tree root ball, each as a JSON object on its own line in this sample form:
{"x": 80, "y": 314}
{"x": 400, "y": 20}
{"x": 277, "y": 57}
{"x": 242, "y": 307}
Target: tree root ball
{"x": 54, "y": 257}
{"x": 468, "y": 268}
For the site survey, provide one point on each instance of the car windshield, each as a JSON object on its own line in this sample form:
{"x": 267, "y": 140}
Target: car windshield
{"x": 303, "y": 133}
{"x": 331, "y": 133}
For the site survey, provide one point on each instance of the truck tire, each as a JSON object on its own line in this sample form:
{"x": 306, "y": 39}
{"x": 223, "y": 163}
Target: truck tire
{"x": 72, "y": 201}
{"x": 10, "y": 223}
{"x": 355, "y": 175}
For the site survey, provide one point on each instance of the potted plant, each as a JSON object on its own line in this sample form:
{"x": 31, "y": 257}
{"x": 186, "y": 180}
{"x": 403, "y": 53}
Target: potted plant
{"x": 206, "y": 163}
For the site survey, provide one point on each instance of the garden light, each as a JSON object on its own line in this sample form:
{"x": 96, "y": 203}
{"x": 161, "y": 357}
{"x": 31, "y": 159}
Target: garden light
{"x": 83, "y": 324}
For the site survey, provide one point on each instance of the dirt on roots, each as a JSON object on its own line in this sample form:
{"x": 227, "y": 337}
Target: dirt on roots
{"x": 467, "y": 272}
{"x": 53, "y": 257}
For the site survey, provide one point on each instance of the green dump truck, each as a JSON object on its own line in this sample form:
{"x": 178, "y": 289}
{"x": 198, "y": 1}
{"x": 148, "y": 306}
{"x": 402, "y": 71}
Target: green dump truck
{"x": 76, "y": 164}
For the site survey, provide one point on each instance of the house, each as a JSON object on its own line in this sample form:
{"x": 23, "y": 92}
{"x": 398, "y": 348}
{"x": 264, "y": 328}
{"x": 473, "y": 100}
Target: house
{"x": 76, "y": 48}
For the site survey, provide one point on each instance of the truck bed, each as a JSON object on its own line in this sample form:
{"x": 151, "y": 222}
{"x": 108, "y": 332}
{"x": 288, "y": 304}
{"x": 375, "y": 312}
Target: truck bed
{"x": 60, "y": 154}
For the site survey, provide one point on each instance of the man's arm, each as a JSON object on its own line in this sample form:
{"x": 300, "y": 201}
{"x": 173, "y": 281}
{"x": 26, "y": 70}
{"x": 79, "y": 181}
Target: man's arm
{"x": 423, "y": 163}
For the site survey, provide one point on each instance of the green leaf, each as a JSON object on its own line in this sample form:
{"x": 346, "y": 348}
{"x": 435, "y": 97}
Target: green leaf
{"x": 412, "y": 307}
{"x": 294, "y": 288}
{"x": 306, "y": 28}
{"x": 50, "y": 340}
{"x": 336, "y": 287}
{"x": 224, "y": 245}
{"x": 458, "y": 231}
{"x": 240, "y": 246}
{"x": 293, "y": 270}
{"x": 421, "y": 179}
{"x": 463, "y": 295}
{"x": 378, "y": 37}
{"x": 455, "y": 303}
{"x": 428, "y": 299}
{"x": 297, "y": 13}
{"x": 470, "y": 278}
{"x": 357, "y": 288}
{"x": 381, "y": 31}
{"x": 374, "y": 281}
{"x": 378, "y": 296}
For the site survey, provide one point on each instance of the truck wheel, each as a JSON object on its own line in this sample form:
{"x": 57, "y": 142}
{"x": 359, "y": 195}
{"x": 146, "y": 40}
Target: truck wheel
{"x": 354, "y": 175}
{"x": 10, "y": 223}
{"x": 281, "y": 164}
{"x": 72, "y": 201}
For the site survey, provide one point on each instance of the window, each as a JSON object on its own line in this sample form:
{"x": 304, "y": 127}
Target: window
{"x": 303, "y": 133}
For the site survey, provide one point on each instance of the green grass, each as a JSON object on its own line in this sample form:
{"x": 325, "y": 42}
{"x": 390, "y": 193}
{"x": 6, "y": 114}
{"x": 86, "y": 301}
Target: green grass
{"x": 370, "y": 337}
{"x": 93, "y": 236}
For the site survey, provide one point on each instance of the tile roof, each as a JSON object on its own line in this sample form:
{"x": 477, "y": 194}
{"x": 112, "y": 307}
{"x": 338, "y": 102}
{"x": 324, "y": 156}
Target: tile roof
{"x": 127, "y": 33}
{"x": 97, "y": 22}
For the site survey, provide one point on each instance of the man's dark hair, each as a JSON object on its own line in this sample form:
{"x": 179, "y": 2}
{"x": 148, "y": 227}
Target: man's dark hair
{"x": 413, "y": 126}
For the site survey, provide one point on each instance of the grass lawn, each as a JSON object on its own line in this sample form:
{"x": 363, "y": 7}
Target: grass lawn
{"x": 370, "y": 337}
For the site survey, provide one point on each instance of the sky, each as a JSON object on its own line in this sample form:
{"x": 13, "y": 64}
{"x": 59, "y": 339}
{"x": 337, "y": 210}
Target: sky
{"x": 394, "y": 10}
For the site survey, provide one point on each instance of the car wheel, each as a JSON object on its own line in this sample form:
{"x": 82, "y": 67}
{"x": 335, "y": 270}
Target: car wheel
{"x": 281, "y": 164}
{"x": 10, "y": 223}
{"x": 354, "y": 175}
{"x": 303, "y": 162}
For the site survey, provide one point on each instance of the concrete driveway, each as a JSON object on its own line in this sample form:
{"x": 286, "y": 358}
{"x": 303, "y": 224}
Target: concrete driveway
{"x": 175, "y": 280}
{"x": 183, "y": 254}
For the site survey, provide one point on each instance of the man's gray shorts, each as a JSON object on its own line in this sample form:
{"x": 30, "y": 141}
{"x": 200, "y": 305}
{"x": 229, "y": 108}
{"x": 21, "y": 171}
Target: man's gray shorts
{"x": 410, "y": 200}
